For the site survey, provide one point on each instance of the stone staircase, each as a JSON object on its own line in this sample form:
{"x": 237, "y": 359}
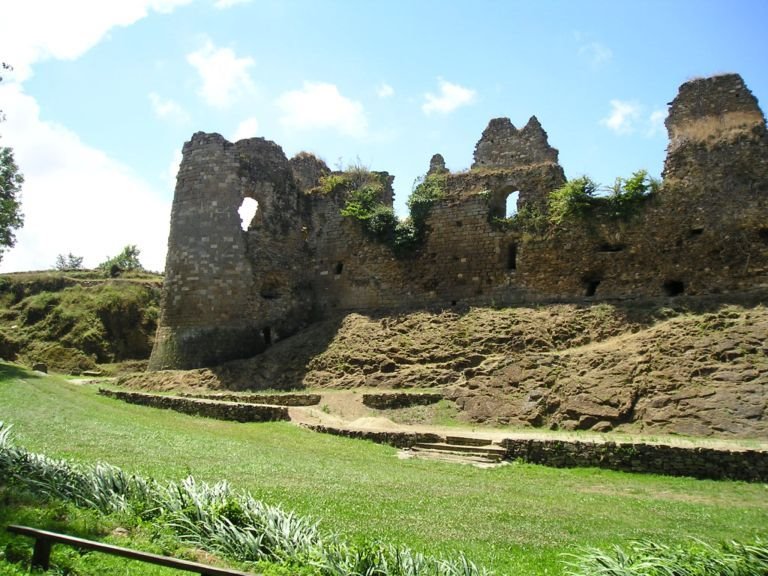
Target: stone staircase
{"x": 462, "y": 450}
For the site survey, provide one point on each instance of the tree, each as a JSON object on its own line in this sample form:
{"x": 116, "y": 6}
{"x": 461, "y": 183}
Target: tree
{"x": 11, "y": 180}
{"x": 69, "y": 262}
{"x": 126, "y": 261}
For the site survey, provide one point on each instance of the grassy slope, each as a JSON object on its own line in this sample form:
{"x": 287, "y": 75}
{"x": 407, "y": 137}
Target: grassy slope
{"x": 516, "y": 519}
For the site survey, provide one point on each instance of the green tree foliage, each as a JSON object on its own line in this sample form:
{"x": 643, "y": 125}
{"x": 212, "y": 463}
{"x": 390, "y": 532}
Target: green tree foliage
{"x": 69, "y": 262}
{"x": 11, "y": 179}
{"x": 126, "y": 261}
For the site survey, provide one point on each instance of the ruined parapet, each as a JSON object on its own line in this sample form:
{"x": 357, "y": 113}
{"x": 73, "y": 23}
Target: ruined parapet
{"x": 716, "y": 133}
{"x": 307, "y": 170}
{"x": 437, "y": 165}
{"x": 504, "y": 146}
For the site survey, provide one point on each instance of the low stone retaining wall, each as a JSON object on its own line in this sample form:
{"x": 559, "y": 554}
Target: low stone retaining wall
{"x": 399, "y": 400}
{"x": 272, "y": 399}
{"x": 747, "y": 465}
{"x": 396, "y": 439}
{"x": 704, "y": 463}
{"x": 208, "y": 408}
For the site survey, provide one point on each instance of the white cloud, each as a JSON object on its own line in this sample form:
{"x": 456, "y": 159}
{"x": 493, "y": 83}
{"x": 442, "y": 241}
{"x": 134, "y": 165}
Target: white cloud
{"x": 76, "y": 198}
{"x": 628, "y": 117}
{"x": 167, "y": 109}
{"x": 248, "y": 128}
{"x": 623, "y": 117}
{"x": 225, "y": 76}
{"x": 452, "y": 96}
{"x": 656, "y": 122}
{"x": 385, "y": 90}
{"x": 222, "y": 4}
{"x": 30, "y": 32}
{"x": 319, "y": 105}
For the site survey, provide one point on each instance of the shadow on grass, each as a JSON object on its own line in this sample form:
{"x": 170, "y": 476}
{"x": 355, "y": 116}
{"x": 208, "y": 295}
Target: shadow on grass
{"x": 8, "y": 371}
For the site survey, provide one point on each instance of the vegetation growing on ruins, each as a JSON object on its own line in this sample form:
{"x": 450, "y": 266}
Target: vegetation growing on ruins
{"x": 380, "y": 221}
{"x": 579, "y": 198}
{"x": 518, "y": 519}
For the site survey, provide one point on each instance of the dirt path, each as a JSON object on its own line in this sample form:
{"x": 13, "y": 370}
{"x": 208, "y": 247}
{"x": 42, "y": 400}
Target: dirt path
{"x": 345, "y": 409}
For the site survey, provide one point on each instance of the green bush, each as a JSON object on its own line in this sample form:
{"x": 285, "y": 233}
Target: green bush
{"x": 126, "y": 261}
{"x": 426, "y": 192}
{"x": 577, "y": 198}
{"x": 572, "y": 200}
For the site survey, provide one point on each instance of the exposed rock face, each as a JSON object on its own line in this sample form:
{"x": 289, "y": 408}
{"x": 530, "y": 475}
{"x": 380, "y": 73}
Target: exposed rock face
{"x": 231, "y": 294}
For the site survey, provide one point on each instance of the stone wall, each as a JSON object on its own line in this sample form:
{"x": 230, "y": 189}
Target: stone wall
{"x": 209, "y": 408}
{"x": 704, "y": 463}
{"x": 270, "y": 399}
{"x": 231, "y": 293}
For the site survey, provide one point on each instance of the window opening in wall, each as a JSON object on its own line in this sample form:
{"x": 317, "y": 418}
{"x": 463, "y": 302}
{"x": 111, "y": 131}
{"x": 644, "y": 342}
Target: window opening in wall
{"x": 512, "y": 257}
{"x": 695, "y": 232}
{"x": 338, "y": 268}
{"x": 510, "y": 205}
{"x": 459, "y": 223}
{"x": 763, "y": 234}
{"x": 453, "y": 302}
{"x": 267, "y": 335}
{"x": 590, "y": 287}
{"x": 247, "y": 211}
{"x": 673, "y": 287}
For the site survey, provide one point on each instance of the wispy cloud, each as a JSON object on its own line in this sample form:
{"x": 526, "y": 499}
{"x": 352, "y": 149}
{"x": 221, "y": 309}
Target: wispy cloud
{"x": 225, "y": 77}
{"x": 384, "y": 90}
{"x": 168, "y": 109}
{"x": 628, "y": 117}
{"x": 596, "y": 53}
{"x": 451, "y": 97}
{"x": 319, "y": 105}
{"x": 248, "y": 128}
{"x": 656, "y": 122}
{"x": 222, "y": 4}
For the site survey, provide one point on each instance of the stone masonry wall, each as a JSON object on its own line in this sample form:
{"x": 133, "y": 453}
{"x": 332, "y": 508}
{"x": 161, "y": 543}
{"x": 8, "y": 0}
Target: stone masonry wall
{"x": 231, "y": 293}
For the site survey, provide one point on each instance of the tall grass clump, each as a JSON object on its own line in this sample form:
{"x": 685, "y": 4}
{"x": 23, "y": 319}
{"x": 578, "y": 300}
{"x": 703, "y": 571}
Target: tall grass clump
{"x": 646, "y": 558}
{"x": 217, "y": 518}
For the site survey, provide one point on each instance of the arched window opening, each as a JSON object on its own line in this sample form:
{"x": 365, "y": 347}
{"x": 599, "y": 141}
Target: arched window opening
{"x": 510, "y": 206}
{"x": 247, "y": 211}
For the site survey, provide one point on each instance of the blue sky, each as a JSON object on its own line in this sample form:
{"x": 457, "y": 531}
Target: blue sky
{"x": 104, "y": 94}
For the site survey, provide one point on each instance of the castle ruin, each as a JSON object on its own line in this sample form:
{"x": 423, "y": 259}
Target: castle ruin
{"x": 231, "y": 293}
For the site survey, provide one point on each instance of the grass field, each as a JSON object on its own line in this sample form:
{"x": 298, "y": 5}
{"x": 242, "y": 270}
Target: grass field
{"x": 516, "y": 519}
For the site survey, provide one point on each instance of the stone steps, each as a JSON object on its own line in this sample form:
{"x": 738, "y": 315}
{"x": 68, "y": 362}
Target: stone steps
{"x": 456, "y": 449}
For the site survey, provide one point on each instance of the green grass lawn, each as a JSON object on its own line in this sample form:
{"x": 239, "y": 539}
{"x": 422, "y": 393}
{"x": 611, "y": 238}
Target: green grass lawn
{"x": 517, "y": 519}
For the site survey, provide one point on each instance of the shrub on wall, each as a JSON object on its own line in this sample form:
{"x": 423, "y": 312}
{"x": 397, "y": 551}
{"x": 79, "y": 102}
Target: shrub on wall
{"x": 379, "y": 220}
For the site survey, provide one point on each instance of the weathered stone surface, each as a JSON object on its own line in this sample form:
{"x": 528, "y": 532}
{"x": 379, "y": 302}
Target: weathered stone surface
{"x": 269, "y": 399}
{"x": 437, "y": 165}
{"x": 207, "y": 408}
{"x": 232, "y": 294}
{"x": 391, "y": 400}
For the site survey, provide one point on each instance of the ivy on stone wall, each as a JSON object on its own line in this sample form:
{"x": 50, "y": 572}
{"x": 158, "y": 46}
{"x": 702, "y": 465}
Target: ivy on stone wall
{"x": 380, "y": 221}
